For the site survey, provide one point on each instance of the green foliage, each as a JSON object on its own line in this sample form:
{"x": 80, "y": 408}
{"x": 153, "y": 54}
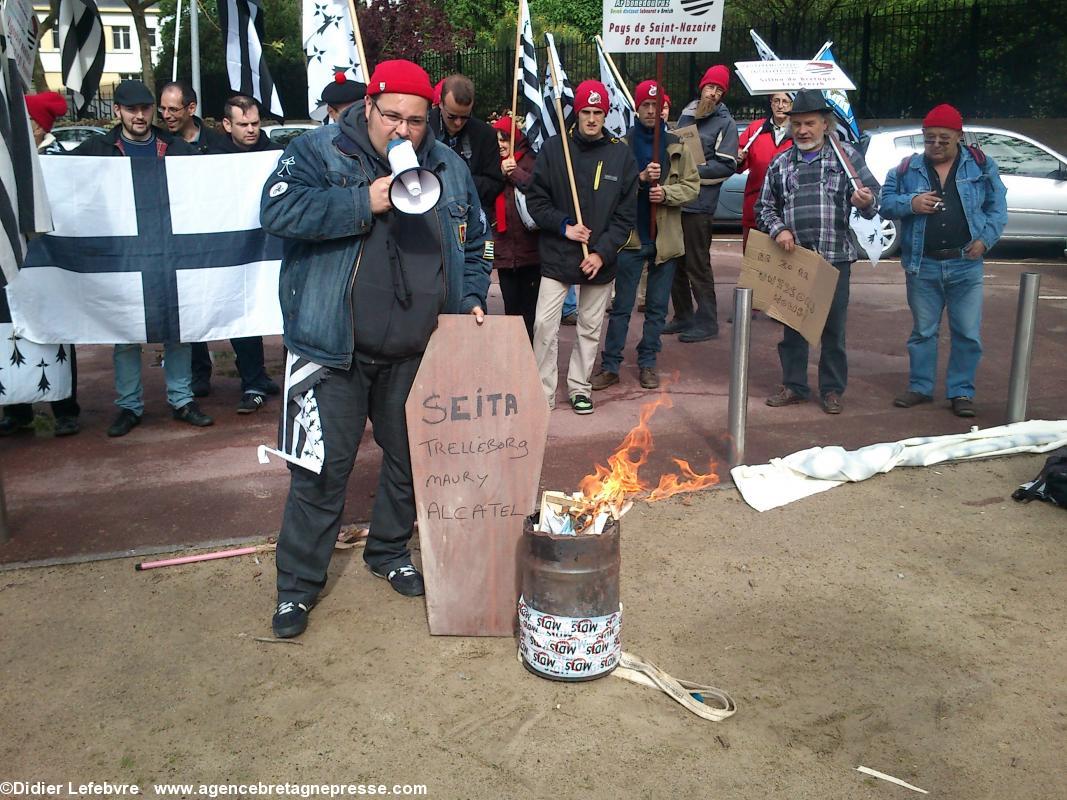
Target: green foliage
{"x": 584, "y": 16}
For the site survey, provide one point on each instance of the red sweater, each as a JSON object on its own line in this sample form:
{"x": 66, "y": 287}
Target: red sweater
{"x": 759, "y": 158}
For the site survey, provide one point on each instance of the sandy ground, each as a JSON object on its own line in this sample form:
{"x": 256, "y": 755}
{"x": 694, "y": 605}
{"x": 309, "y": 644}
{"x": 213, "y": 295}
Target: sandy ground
{"x": 912, "y": 624}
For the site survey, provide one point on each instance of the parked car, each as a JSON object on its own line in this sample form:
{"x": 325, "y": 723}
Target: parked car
{"x": 1035, "y": 176}
{"x": 732, "y": 193}
{"x": 283, "y": 134}
{"x": 71, "y": 136}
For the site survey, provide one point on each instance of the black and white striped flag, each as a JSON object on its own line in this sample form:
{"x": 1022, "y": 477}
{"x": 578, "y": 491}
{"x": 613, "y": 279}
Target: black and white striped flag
{"x": 566, "y": 93}
{"x": 529, "y": 85}
{"x": 23, "y": 200}
{"x": 300, "y": 439}
{"x": 81, "y": 42}
{"x": 242, "y": 31}
{"x": 621, "y": 115}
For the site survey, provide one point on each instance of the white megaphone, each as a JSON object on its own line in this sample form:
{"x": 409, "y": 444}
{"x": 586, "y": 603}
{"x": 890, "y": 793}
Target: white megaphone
{"x": 414, "y": 190}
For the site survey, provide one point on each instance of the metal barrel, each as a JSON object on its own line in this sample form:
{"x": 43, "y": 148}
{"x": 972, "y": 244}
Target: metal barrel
{"x": 1023, "y": 350}
{"x": 574, "y": 581}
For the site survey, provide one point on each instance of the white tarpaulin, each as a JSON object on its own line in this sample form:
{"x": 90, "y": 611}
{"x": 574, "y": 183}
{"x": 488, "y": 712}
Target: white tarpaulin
{"x": 808, "y": 472}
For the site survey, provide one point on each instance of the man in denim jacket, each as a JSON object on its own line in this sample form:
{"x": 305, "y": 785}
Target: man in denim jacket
{"x": 361, "y": 287}
{"x": 952, "y": 207}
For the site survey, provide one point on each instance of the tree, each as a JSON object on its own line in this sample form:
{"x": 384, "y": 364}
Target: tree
{"x": 408, "y": 30}
{"x": 137, "y": 9}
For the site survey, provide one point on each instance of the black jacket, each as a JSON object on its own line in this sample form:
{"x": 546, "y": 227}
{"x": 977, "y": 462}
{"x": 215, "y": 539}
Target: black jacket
{"x": 476, "y": 145}
{"x": 225, "y": 144}
{"x": 210, "y": 139}
{"x": 109, "y": 144}
{"x": 606, "y": 176}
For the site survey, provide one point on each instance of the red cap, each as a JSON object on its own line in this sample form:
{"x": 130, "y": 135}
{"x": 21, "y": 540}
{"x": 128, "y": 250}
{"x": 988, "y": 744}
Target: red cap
{"x": 504, "y": 124}
{"x": 666, "y": 99}
{"x": 591, "y": 94}
{"x": 649, "y": 90}
{"x": 718, "y": 74}
{"x": 400, "y": 77}
{"x": 944, "y": 116}
{"x": 45, "y": 108}
{"x": 437, "y": 92}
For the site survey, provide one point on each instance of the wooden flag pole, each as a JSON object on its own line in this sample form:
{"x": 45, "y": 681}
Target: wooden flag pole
{"x": 615, "y": 72}
{"x": 566, "y": 148}
{"x": 516, "y": 80}
{"x": 656, "y": 138}
{"x": 364, "y": 67}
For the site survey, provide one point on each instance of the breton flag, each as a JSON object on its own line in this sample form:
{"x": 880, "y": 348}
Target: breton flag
{"x": 23, "y": 200}
{"x": 141, "y": 253}
{"x": 242, "y": 31}
{"x": 330, "y": 46}
{"x": 564, "y": 91}
{"x": 29, "y": 372}
{"x": 764, "y": 49}
{"x": 621, "y": 114}
{"x": 300, "y": 439}
{"x": 847, "y": 128}
{"x": 532, "y": 100}
{"x": 81, "y": 41}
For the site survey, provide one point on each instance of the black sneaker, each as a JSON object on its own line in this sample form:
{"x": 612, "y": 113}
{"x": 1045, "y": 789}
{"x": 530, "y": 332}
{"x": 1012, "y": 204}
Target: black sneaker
{"x": 677, "y": 326}
{"x": 192, "y": 414}
{"x": 250, "y": 403}
{"x": 698, "y": 333}
{"x": 9, "y": 426}
{"x": 125, "y": 422}
{"x": 66, "y": 426}
{"x": 291, "y": 619}
{"x": 404, "y": 579}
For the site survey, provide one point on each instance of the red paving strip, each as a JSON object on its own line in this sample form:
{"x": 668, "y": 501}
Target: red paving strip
{"x": 168, "y": 484}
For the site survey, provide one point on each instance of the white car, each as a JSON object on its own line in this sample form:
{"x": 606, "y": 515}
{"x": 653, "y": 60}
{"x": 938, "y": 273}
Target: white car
{"x": 70, "y": 136}
{"x": 1035, "y": 176}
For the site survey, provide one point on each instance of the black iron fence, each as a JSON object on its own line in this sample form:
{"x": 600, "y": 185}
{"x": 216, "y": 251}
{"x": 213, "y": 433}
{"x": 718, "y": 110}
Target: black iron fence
{"x": 990, "y": 59}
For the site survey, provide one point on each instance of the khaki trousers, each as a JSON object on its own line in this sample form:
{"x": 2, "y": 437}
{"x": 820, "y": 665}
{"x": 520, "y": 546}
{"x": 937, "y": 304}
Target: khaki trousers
{"x": 592, "y": 302}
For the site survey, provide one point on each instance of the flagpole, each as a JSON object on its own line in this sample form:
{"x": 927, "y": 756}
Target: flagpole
{"x": 566, "y": 147}
{"x": 656, "y": 138}
{"x": 364, "y": 67}
{"x": 517, "y": 78}
{"x": 177, "y": 40}
{"x": 615, "y": 71}
{"x": 194, "y": 50}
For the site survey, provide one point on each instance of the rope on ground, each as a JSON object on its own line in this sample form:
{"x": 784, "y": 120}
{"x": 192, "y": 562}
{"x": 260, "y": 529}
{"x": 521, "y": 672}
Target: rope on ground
{"x": 636, "y": 670}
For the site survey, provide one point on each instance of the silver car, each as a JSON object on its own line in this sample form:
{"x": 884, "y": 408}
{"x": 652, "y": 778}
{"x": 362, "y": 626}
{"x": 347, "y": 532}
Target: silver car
{"x": 70, "y": 136}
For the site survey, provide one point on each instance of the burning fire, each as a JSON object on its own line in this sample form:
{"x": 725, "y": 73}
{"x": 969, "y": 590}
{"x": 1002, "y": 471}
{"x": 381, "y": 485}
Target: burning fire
{"x": 609, "y": 488}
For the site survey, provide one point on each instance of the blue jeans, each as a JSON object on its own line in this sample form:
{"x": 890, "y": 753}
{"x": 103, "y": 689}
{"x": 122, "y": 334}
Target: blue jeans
{"x": 570, "y": 304}
{"x": 956, "y": 283}
{"x": 657, "y": 295}
{"x": 833, "y": 362}
{"x": 177, "y": 368}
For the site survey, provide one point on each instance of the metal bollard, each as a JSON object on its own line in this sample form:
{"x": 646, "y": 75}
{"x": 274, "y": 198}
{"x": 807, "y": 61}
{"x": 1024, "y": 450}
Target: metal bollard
{"x": 737, "y": 414}
{"x": 1023, "y": 350}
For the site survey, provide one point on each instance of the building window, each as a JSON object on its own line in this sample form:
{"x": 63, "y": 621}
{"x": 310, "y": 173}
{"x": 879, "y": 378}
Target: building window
{"x": 120, "y": 37}
{"x": 152, "y": 38}
{"x": 55, "y": 37}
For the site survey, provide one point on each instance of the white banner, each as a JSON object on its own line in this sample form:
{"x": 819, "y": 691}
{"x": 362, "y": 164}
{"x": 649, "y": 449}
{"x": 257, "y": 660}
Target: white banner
{"x": 768, "y": 77}
{"x": 670, "y": 26}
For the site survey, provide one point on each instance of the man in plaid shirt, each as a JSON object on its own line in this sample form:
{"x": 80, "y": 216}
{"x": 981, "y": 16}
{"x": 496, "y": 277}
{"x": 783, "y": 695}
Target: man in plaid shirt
{"x": 806, "y": 200}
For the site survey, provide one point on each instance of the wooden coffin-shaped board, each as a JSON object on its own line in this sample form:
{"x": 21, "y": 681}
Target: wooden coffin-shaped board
{"x": 477, "y": 421}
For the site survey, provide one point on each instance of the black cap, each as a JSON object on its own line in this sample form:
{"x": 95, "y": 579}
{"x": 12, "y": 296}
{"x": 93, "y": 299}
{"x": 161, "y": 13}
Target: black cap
{"x": 133, "y": 93}
{"x": 340, "y": 91}
{"x": 809, "y": 100}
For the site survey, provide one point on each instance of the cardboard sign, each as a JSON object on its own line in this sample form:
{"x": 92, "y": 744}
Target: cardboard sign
{"x": 768, "y": 77}
{"x": 690, "y": 137}
{"x": 669, "y": 26}
{"x": 477, "y": 423}
{"x": 794, "y": 288}
{"x": 20, "y": 23}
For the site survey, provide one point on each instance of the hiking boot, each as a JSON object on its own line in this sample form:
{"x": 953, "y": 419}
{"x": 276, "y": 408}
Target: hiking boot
{"x": 291, "y": 619}
{"x": 649, "y": 378}
{"x": 603, "y": 379}
{"x": 698, "y": 333}
{"x": 192, "y": 414}
{"x": 250, "y": 403}
{"x": 125, "y": 422}
{"x": 404, "y": 579}
{"x": 66, "y": 426}
{"x": 677, "y": 326}
{"x": 581, "y": 404}
{"x": 831, "y": 403}
{"x": 785, "y": 397}
{"x": 570, "y": 319}
{"x": 963, "y": 407}
{"x": 910, "y": 398}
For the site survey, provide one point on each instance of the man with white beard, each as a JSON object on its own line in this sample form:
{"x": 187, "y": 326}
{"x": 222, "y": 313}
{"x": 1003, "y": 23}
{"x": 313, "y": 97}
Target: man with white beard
{"x": 806, "y": 200}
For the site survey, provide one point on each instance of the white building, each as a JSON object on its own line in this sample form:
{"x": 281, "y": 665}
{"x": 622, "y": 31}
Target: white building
{"x": 123, "y": 59}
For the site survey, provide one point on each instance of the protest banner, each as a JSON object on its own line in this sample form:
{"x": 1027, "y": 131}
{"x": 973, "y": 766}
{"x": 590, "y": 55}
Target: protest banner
{"x": 691, "y": 139}
{"x": 794, "y": 288}
{"x": 769, "y": 77}
{"x": 666, "y": 26}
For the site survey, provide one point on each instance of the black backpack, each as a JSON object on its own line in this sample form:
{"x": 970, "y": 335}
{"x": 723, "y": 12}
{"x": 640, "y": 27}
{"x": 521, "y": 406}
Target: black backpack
{"x": 1050, "y": 484}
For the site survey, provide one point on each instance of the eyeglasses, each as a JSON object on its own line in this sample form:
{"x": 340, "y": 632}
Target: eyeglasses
{"x": 781, "y": 102}
{"x": 940, "y": 140}
{"x": 455, "y": 117}
{"x": 394, "y": 120}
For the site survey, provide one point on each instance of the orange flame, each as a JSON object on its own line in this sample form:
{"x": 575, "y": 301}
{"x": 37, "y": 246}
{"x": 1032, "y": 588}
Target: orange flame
{"x": 611, "y": 486}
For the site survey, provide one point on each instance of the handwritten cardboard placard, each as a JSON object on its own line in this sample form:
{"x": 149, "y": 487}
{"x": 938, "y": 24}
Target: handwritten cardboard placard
{"x": 477, "y": 423}
{"x": 691, "y": 139}
{"x": 794, "y": 288}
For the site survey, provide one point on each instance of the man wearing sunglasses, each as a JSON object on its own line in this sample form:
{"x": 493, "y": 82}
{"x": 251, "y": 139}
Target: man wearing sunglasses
{"x": 470, "y": 138}
{"x": 361, "y": 287}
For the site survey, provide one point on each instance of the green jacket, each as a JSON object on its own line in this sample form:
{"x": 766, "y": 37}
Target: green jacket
{"x": 681, "y": 186}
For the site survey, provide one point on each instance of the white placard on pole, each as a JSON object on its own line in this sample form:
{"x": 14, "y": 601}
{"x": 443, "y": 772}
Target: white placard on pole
{"x": 21, "y": 25}
{"x": 667, "y": 26}
{"x": 768, "y": 77}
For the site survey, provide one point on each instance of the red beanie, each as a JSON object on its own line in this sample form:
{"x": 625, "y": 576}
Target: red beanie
{"x": 944, "y": 116}
{"x": 649, "y": 90}
{"x": 400, "y": 77}
{"x": 666, "y": 99}
{"x": 45, "y": 108}
{"x": 437, "y": 92}
{"x": 718, "y": 74}
{"x": 504, "y": 124}
{"x": 591, "y": 94}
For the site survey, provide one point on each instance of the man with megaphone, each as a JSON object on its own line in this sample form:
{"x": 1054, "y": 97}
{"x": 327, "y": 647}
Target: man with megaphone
{"x": 384, "y": 231}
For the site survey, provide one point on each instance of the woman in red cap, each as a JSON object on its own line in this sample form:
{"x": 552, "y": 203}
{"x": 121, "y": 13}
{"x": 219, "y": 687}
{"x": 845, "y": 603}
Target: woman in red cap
{"x": 45, "y": 108}
{"x": 516, "y": 259}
